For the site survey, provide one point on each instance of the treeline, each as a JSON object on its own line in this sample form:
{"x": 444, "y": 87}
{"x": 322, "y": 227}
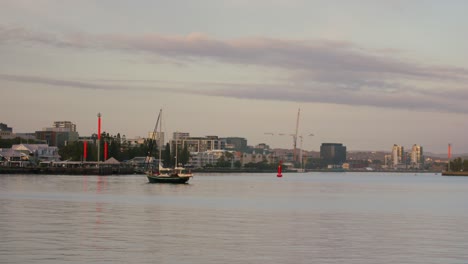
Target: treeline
{"x": 121, "y": 149}
{"x": 7, "y": 143}
{"x": 458, "y": 164}
{"x": 118, "y": 148}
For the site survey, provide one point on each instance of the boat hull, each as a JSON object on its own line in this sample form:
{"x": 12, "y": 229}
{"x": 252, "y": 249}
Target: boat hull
{"x": 167, "y": 179}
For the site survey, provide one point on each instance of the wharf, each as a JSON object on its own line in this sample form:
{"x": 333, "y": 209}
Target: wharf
{"x": 101, "y": 170}
{"x": 455, "y": 173}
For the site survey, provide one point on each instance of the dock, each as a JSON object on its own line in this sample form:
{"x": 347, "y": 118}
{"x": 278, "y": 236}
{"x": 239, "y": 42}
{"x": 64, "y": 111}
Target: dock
{"x": 455, "y": 173}
{"x": 70, "y": 168}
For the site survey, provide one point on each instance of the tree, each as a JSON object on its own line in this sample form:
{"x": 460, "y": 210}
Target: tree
{"x": 315, "y": 163}
{"x": 222, "y": 162}
{"x": 75, "y": 151}
{"x": 456, "y": 165}
{"x": 184, "y": 156}
{"x": 7, "y": 143}
{"x": 167, "y": 157}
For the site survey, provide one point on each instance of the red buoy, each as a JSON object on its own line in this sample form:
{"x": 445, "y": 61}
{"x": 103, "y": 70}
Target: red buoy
{"x": 279, "y": 170}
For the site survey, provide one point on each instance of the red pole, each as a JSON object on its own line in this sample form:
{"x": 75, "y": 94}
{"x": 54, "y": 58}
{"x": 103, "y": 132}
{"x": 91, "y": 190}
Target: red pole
{"x": 85, "y": 150}
{"x": 449, "y": 151}
{"x": 279, "y": 170}
{"x": 105, "y": 150}
{"x": 99, "y": 126}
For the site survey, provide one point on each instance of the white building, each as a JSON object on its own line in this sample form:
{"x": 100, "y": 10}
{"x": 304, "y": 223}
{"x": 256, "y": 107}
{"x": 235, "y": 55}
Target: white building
{"x": 257, "y": 157}
{"x": 397, "y": 155}
{"x": 198, "y": 144}
{"x": 38, "y": 152}
{"x": 211, "y": 157}
{"x": 64, "y": 126}
{"x": 417, "y": 158}
{"x": 13, "y": 158}
{"x": 180, "y": 135}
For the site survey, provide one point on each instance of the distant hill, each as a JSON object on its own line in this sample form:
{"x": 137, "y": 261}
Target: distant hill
{"x": 444, "y": 155}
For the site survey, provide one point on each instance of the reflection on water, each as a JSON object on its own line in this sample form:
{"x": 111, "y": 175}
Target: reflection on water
{"x": 248, "y": 218}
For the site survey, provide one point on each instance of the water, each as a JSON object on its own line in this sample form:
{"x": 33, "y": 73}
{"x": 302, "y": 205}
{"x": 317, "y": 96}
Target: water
{"x": 243, "y": 218}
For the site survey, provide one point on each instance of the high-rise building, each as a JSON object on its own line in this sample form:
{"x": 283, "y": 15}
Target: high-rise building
{"x": 5, "y": 128}
{"x": 397, "y": 155}
{"x": 64, "y": 126}
{"x": 198, "y": 144}
{"x": 59, "y": 134}
{"x": 180, "y": 135}
{"x": 416, "y": 156}
{"x": 5, "y": 131}
{"x": 236, "y": 143}
{"x": 333, "y": 153}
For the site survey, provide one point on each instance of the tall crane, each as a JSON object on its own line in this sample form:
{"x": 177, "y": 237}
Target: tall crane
{"x": 295, "y": 135}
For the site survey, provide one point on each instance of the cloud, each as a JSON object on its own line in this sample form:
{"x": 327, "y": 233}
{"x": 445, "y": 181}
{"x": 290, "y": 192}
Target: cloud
{"x": 60, "y": 83}
{"x": 402, "y": 98}
{"x": 323, "y": 71}
{"x": 315, "y": 56}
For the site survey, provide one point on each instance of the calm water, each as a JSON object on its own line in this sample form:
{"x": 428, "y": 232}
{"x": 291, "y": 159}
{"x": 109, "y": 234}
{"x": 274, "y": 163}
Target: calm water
{"x": 247, "y": 218}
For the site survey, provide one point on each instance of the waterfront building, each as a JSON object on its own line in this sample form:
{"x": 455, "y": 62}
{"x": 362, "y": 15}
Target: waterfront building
{"x": 252, "y": 158}
{"x": 236, "y": 143}
{"x": 198, "y": 144}
{"x": 397, "y": 155}
{"x": 38, "y": 152}
{"x": 6, "y": 132}
{"x": 5, "y": 128}
{"x": 210, "y": 157}
{"x": 6, "y": 135}
{"x": 57, "y": 139}
{"x": 388, "y": 161}
{"x": 180, "y": 135}
{"x": 333, "y": 153}
{"x": 417, "y": 158}
{"x": 13, "y": 158}
{"x": 64, "y": 126}
{"x": 59, "y": 134}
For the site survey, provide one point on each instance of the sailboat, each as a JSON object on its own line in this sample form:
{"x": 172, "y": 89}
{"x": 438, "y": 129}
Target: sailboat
{"x": 163, "y": 174}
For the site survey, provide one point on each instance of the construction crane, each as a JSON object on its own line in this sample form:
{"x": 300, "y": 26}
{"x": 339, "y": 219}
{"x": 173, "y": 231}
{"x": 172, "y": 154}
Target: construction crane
{"x": 295, "y": 135}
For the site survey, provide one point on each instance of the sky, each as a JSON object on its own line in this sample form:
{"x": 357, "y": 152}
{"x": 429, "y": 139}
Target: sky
{"x": 368, "y": 73}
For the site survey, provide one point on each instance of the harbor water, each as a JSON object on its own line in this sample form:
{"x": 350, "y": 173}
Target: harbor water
{"x": 235, "y": 218}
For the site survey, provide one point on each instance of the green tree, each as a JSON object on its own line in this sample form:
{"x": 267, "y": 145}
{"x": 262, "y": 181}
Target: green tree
{"x": 167, "y": 157}
{"x": 7, "y": 143}
{"x": 184, "y": 156}
{"x": 72, "y": 151}
{"x": 223, "y": 162}
{"x": 315, "y": 163}
{"x": 456, "y": 164}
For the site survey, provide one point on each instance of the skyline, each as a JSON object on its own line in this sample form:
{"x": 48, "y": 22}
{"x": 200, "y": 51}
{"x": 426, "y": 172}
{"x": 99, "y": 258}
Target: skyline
{"x": 368, "y": 74}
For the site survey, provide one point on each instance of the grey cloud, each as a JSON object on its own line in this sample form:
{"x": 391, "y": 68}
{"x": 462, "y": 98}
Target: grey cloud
{"x": 60, "y": 83}
{"x": 405, "y": 97}
{"x": 410, "y": 99}
{"x": 319, "y": 71}
{"x": 313, "y": 56}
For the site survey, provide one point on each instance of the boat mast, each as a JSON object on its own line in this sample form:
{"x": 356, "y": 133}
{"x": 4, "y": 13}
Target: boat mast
{"x": 176, "y": 147}
{"x": 160, "y": 143}
{"x": 153, "y": 140}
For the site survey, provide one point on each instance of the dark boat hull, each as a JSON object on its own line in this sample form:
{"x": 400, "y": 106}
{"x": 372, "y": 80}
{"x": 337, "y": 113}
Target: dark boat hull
{"x": 165, "y": 179}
